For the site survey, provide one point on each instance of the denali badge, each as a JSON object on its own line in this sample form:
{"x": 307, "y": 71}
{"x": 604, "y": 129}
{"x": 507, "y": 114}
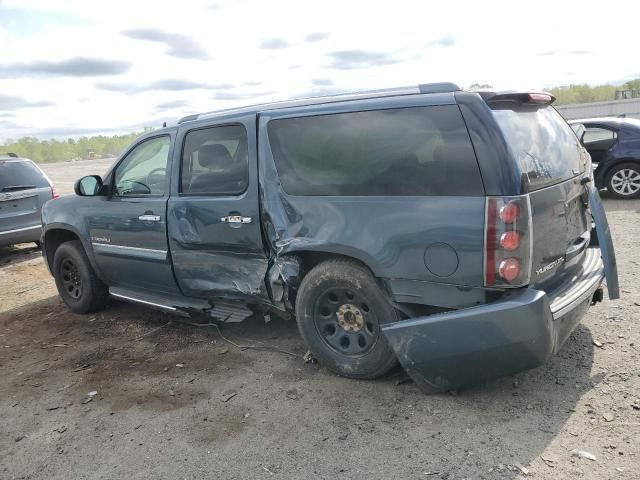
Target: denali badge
{"x": 549, "y": 266}
{"x": 101, "y": 239}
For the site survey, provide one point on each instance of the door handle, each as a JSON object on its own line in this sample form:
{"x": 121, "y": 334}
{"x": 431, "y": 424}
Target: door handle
{"x": 236, "y": 219}
{"x": 149, "y": 218}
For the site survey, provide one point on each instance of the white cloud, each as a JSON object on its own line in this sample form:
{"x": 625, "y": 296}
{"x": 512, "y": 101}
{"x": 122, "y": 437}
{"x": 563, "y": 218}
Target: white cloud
{"x": 505, "y": 44}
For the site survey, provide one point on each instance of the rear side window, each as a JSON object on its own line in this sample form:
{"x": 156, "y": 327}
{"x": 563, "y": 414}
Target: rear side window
{"x": 215, "y": 161}
{"x": 597, "y": 137}
{"x": 545, "y": 147}
{"x": 396, "y": 152}
{"x": 20, "y": 175}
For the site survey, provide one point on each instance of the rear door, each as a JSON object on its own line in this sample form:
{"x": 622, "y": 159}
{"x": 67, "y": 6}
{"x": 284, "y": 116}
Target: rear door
{"x": 598, "y": 140}
{"x": 552, "y": 165}
{"x": 23, "y": 191}
{"x": 214, "y": 221}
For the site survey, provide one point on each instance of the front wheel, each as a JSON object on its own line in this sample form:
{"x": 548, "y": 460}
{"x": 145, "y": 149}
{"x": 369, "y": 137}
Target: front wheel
{"x": 339, "y": 310}
{"x": 78, "y": 285}
{"x": 623, "y": 181}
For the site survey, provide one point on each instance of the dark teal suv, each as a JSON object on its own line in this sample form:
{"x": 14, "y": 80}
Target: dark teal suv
{"x": 452, "y": 231}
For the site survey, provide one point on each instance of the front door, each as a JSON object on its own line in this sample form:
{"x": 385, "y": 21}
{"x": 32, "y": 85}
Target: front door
{"x": 214, "y": 225}
{"x": 128, "y": 228}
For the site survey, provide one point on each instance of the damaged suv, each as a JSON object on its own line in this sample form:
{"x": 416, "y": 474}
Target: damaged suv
{"x": 457, "y": 232}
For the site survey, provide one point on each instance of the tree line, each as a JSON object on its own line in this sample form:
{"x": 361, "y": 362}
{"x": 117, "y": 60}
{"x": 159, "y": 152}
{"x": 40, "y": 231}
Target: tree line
{"x": 568, "y": 94}
{"x": 53, "y": 150}
{"x": 586, "y": 94}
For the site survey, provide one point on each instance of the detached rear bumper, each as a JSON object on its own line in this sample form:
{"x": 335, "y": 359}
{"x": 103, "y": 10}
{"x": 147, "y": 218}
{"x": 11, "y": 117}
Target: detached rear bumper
{"x": 447, "y": 350}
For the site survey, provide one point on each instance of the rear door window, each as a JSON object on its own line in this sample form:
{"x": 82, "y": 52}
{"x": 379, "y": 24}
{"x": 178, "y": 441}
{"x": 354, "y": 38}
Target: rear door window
{"x": 544, "y": 145}
{"x": 215, "y": 161}
{"x": 397, "y": 152}
{"x": 599, "y": 138}
{"x": 20, "y": 175}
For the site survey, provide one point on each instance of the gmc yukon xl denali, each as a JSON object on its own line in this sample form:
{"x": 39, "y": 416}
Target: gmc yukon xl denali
{"x": 458, "y": 233}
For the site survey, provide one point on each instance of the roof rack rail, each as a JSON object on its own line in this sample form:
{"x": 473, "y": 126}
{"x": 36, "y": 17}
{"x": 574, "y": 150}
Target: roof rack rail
{"x": 193, "y": 116}
{"x": 440, "y": 87}
{"x": 9, "y": 154}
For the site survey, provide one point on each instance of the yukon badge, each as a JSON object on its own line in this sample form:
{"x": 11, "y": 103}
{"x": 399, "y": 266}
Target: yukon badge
{"x": 550, "y": 266}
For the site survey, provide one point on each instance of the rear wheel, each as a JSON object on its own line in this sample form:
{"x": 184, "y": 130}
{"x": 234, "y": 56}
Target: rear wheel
{"x": 78, "y": 285}
{"x": 339, "y": 310}
{"x": 623, "y": 181}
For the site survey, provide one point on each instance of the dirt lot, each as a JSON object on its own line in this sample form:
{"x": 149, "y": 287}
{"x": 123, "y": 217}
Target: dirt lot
{"x": 175, "y": 401}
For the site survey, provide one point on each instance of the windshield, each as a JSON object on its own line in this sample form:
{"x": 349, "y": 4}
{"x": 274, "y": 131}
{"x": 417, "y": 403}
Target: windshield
{"x": 20, "y": 175}
{"x": 545, "y": 147}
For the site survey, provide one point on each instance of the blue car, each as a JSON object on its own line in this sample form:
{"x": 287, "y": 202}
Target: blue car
{"x": 614, "y": 146}
{"x": 458, "y": 233}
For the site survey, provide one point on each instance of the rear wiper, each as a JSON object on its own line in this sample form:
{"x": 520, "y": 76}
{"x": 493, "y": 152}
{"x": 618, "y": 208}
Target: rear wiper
{"x": 15, "y": 188}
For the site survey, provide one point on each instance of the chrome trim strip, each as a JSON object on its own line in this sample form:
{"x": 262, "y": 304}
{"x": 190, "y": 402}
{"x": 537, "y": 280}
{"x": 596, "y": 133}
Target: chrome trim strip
{"x": 579, "y": 288}
{"x": 137, "y": 300}
{"x": 138, "y": 249}
{"x": 20, "y": 230}
{"x": 19, "y": 195}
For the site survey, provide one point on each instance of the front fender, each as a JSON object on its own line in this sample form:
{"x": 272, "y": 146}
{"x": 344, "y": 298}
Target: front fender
{"x": 62, "y": 215}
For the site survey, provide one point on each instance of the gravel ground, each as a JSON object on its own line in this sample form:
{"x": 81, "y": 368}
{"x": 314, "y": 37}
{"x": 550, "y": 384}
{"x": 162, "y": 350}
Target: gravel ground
{"x": 175, "y": 401}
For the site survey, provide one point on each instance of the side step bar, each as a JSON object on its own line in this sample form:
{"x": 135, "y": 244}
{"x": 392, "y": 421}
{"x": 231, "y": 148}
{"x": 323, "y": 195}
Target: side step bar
{"x": 167, "y": 304}
{"x": 224, "y": 312}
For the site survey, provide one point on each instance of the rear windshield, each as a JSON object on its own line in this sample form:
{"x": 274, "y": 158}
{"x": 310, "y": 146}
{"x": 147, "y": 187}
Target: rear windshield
{"x": 399, "y": 152}
{"x": 19, "y": 175}
{"x": 546, "y": 148}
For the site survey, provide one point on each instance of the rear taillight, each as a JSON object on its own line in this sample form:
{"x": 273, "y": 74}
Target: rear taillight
{"x": 54, "y": 193}
{"x": 509, "y": 269}
{"x": 508, "y": 241}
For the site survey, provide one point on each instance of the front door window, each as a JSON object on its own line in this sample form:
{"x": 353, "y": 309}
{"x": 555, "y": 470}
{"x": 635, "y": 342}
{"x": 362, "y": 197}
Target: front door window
{"x": 144, "y": 170}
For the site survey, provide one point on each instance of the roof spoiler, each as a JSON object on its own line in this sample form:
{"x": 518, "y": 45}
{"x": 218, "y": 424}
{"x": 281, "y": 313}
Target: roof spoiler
{"x": 9, "y": 154}
{"x": 538, "y": 98}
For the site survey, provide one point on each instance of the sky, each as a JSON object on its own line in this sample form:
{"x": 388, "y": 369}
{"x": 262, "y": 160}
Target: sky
{"x": 85, "y": 67}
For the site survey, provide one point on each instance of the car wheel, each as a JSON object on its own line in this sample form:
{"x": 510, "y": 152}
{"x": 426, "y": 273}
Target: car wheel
{"x": 623, "y": 181}
{"x": 78, "y": 285}
{"x": 339, "y": 310}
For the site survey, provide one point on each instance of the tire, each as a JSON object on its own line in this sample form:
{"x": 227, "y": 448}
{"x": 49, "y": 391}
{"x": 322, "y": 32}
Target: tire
{"x": 339, "y": 310}
{"x": 623, "y": 181}
{"x": 78, "y": 285}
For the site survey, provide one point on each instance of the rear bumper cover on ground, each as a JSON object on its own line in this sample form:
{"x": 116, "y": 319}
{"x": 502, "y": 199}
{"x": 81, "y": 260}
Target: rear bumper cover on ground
{"x": 443, "y": 351}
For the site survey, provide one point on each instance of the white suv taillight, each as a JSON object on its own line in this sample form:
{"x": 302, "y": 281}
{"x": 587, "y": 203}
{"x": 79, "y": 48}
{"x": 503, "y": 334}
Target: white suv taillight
{"x": 508, "y": 241}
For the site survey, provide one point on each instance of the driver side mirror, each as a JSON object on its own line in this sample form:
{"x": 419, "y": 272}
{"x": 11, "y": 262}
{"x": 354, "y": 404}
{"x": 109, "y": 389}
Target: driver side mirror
{"x": 88, "y": 186}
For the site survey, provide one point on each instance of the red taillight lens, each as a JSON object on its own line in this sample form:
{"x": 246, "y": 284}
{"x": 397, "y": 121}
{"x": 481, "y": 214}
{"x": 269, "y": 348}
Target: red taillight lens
{"x": 510, "y": 240}
{"x": 509, "y": 269}
{"x": 508, "y": 243}
{"x": 54, "y": 193}
{"x": 509, "y": 213}
{"x": 490, "y": 242}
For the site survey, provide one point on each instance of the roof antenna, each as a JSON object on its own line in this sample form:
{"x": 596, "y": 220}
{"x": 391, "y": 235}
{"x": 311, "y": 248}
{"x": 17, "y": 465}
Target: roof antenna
{"x": 164, "y": 124}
